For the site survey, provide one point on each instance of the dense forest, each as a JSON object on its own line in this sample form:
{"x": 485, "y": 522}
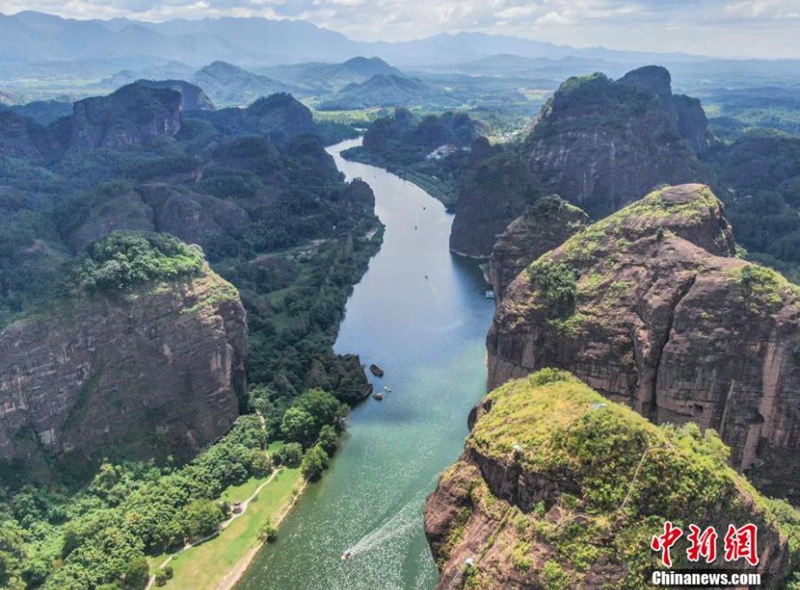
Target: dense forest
{"x": 103, "y": 204}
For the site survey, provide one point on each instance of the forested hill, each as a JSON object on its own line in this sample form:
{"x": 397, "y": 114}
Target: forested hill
{"x": 150, "y": 230}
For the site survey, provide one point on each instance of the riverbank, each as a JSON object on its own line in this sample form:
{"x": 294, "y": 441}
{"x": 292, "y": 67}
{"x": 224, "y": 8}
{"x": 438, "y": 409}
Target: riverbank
{"x": 217, "y": 564}
{"x": 420, "y": 314}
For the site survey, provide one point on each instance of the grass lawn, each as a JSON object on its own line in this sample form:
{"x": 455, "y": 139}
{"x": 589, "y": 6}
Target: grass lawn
{"x": 240, "y": 493}
{"x": 202, "y": 567}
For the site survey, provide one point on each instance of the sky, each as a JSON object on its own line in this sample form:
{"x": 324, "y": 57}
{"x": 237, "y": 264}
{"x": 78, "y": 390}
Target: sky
{"x": 729, "y": 28}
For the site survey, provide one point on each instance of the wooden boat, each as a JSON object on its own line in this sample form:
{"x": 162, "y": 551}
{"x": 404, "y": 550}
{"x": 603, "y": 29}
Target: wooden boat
{"x": 376, "y": 370}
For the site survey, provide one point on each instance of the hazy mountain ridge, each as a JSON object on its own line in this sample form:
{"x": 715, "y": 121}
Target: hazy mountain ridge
{"x": 31, "y": 37}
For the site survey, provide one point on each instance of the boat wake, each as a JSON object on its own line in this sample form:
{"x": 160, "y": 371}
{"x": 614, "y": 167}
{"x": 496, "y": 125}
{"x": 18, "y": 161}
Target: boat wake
{"x": 407, "y": 518}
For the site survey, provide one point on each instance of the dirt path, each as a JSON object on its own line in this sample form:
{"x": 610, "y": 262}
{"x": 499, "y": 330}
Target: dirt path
{"x": 233, "y": 576}
{"x": 222, "y": 527}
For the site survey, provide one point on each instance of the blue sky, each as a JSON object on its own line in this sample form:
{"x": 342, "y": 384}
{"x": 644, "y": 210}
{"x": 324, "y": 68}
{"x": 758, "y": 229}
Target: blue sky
{"x": 741, "y": 28}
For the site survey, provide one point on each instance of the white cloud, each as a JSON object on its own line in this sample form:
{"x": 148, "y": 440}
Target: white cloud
{"x": 707, "y": 26}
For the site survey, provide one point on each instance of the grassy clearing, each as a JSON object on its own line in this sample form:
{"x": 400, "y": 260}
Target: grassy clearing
{"x": 205, "y": 566}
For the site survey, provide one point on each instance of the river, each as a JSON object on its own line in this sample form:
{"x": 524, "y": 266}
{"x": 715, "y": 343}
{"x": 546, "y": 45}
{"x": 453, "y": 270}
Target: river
{"x": 419, "y": 313}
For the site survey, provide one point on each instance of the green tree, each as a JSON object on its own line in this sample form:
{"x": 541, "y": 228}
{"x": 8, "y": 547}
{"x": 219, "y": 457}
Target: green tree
{"x": 268, "y": 532}
{"x": 328, "y": 439}
{"x": 290, "y": 454}
{"x": 260, "y": 463}
{"x": 314, "y": 463}
{"x": 322, "y": 406}
{"x": 137, "y": 574}
{"x": 202, "y": 518}
{"x": 298, "y": 426}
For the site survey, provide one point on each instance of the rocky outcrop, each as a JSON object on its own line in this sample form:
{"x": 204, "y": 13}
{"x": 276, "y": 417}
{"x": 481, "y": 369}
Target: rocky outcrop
{"x": 651, "y": 308}
{"x": 279, "y": 118}
{"x": 142, "y": 373}
{"x": 192, "y": 97}
{"x": 128, "y": 117}
{"x": 384, "y": 135}
{"x": 601, "y": 144}
{"x": 558, "y": 488}
{"x": 543, "y": 227}
{"x": 193, "y": 217}
{"x": 493, "y": 193}
{"x": 22, "y": 137}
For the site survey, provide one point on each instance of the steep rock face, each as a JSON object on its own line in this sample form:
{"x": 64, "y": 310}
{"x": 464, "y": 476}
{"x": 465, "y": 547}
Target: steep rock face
{"x": 147, "y": 373}
{"x": 543, "y": 227}
{"x": 279, "y": 117}
{"x": 494, "y": 192}
{"x": 602, "y": 144}
{"x": 559, "y": 489}
{"x": 193, "y": 217}
{"x": 650, "y": 308}
{"x": 22, "y": 137}
{"x": 193, "y": 97}
{"x": 128, "y": 117}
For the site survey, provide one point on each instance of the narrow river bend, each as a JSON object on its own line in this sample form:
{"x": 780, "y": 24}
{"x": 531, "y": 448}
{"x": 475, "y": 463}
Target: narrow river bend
{"x": 420, "y": 314}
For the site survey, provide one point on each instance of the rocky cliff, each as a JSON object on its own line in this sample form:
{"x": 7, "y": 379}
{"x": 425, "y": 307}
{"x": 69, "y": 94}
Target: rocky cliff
{"x": 192, "y": 97}
{"x": 148, "y": 370}
{"x": 493, "y": 192}
{"x": 601, "y": 144}
{"x": 543, "y": 227}
{"x": 651, "y": 308}
{"x": 558, "y": 488}
{"x": 128, "y": 117}
{"x": 22, "y": 137}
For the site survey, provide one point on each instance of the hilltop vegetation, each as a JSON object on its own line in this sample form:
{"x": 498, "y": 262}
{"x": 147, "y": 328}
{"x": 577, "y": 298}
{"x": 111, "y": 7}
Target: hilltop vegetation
{"x": 129, "y": 194}
{"x": 560, "y": 487}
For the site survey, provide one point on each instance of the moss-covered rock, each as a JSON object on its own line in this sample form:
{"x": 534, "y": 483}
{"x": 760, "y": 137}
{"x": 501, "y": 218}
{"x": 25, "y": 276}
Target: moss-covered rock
{"x": 651, "y": 307}
{"x": 544, "y": 226}
{"x": 558, "y": 487}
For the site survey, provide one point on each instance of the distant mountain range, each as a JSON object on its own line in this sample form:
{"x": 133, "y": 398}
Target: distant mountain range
{"x": 236, "y": 60}
{"x": 37, "y": 38}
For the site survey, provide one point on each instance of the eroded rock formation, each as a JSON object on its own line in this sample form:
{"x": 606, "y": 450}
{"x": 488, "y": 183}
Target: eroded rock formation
{"x": 651, "y": 308}
{"x": 494, "y": 192}
{"x": 558, "y": 488}
{"x": 543, "y": 227}
{"x": 602, "y": 144}
{"x": 128, "y": 117}
{"x": 145, "y": 373}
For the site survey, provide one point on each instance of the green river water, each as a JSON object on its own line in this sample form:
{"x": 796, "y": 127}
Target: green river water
{"x": 428, "y": 335}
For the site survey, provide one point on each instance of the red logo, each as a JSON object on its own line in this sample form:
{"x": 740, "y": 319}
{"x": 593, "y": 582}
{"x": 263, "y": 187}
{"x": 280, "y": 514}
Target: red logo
{"x": 741, "y": 544}
{"x": 665, "y": 541}
{"x": 702, "y": 544}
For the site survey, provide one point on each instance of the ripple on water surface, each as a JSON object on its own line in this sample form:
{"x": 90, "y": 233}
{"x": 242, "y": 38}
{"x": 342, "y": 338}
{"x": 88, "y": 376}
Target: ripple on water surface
{"x": 428, "y": 335}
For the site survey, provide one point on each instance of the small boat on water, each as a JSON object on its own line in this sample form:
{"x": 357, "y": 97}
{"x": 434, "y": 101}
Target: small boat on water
{"x": 378, "y": 396}
{"x": 376, "y": 370}
{"x": 387, "y": 389}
